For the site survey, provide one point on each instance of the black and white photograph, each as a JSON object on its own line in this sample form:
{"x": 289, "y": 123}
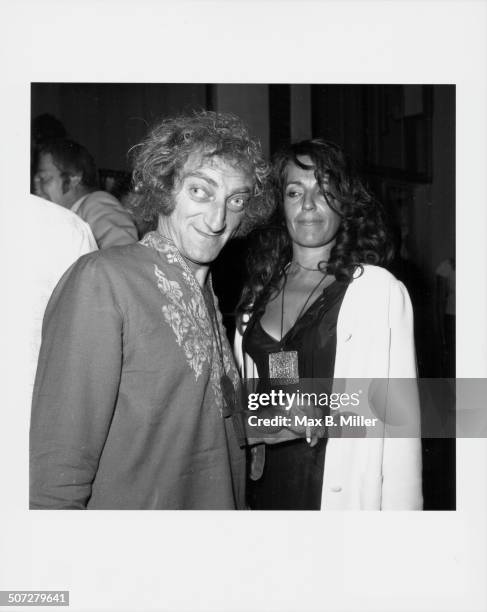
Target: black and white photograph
{"x": 231, "y": 238}
{"x": 134, "y": 405}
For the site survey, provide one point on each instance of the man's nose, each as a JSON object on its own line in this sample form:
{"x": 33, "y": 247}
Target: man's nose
{"x": 215, "y": 217}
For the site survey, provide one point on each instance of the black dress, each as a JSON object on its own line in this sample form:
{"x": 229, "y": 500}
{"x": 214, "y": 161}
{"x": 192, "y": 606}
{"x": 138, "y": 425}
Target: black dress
{"x": 293, "y": 473}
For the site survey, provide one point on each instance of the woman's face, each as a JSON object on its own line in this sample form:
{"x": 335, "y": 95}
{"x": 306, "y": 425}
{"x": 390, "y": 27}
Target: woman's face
{"x": 310, "y": 220}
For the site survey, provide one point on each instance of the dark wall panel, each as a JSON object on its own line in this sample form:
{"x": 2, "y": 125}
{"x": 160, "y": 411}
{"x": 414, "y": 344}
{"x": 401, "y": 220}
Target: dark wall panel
{"x": 110, "y": 118}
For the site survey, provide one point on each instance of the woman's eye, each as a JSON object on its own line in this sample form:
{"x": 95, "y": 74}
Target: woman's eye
{"x": 292, "y": 193}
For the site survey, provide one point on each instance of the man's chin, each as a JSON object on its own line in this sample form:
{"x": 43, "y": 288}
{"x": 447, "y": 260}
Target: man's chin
{"x": 205, "y": 252}
{"x": 200, "y": 259}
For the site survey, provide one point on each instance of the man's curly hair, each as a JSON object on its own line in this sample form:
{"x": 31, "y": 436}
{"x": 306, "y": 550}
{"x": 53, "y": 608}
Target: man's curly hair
{"x": 361, "y": 239}
{"x": 159, "y": 159}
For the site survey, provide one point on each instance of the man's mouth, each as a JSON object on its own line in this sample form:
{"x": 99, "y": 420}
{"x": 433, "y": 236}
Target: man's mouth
{"x": 205, "y": 234}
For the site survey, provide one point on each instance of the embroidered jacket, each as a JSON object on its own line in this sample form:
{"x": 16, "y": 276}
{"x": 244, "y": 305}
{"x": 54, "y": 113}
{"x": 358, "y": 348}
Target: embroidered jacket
{"x": 127, "y": 409}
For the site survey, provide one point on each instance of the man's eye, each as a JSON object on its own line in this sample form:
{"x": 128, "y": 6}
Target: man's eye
{"x": 237, "y": 203}
{"x": 198, "y": 192}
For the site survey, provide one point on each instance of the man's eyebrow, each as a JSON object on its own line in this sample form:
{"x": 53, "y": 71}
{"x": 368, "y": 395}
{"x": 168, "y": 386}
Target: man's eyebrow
{"x": 202, "y": 175}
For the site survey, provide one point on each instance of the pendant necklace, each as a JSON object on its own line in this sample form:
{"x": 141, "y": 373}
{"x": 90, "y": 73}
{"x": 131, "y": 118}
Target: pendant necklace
{"x": 283, "y": 365}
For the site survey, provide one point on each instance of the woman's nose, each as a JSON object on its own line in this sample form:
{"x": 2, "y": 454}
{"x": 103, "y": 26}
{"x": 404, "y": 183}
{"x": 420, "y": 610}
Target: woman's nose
{"x": 309, "y": 200}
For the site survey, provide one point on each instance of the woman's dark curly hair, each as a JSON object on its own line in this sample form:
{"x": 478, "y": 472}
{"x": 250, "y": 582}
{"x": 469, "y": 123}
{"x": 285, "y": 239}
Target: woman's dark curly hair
{"x": 159, "y": 159}
{"x": 361, "y": 239}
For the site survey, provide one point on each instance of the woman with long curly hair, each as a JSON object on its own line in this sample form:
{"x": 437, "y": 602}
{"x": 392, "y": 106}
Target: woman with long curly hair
{"x": 319, "y": 308}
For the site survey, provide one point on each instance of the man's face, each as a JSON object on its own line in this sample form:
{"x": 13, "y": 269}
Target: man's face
{"x": 48, "y": 182}
{"x": 210, "y": 198}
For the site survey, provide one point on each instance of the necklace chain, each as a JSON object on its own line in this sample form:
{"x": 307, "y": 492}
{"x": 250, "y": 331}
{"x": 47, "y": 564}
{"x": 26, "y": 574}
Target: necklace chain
{"x": 305, "y": 267}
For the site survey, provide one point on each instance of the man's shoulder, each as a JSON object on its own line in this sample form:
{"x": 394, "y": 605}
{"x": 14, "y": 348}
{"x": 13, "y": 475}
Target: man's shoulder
{"x": 116, "y": 257}
{"x": 101, "y": 199}
{"x": 53, "y": 213}
{"x": 55, "y": 226}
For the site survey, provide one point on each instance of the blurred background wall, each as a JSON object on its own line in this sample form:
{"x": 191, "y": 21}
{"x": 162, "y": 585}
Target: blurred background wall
{"x": 402, "y": 138}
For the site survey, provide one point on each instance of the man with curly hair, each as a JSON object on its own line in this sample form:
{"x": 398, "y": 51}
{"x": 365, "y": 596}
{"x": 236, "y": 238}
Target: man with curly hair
{"x": 134, "y": 403}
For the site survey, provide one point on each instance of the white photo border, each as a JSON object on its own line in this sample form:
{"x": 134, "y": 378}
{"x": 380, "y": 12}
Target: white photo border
{"x": 254, "y": 561}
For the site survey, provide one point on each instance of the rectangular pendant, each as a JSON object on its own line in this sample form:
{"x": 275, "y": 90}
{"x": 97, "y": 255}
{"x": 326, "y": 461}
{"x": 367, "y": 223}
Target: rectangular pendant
{"x": 283, "y": 367}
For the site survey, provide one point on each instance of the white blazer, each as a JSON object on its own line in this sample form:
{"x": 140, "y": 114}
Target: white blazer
{"x": 374, "y": 341}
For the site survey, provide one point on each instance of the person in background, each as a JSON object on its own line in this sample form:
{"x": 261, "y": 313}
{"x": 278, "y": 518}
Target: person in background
{"x": 445, "y": 310}
{"x": 66, "y": 175}
{"x": 43, "y": 128}
{"x": 135, "y": 403}
{"x": 52, "y": 240}
{"x": 319, "y": 307}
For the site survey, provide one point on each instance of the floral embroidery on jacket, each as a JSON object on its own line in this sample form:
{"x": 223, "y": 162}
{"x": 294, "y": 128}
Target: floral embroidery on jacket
{"x": 189, "y": 320}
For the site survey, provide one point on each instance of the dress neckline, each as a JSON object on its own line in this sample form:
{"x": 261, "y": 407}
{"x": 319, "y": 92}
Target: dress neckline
{"x": 319, "y": 300}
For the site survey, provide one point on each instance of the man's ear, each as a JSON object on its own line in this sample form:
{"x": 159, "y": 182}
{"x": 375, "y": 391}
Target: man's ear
{"x": 71, "y": 182}
{"x": 74, "y": 180}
